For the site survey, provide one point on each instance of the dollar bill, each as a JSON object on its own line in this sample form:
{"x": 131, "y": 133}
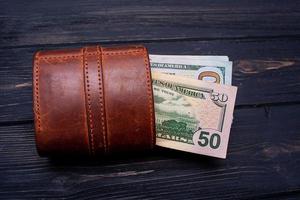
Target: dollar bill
{"x": 192, "y": 115}
{"x": 189, "y": 57}
{"x": 216, "y": 69}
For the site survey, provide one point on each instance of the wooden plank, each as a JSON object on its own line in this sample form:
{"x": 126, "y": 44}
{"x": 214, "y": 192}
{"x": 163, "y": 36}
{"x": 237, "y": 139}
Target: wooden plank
{"x": 69, "y": 22}
{"x": 266, "y": 71}
{"x": 261, "y": 37}
{"x": 263, "y": 162}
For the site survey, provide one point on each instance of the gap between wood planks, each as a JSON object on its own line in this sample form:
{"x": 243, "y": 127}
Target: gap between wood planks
{"x": 163, "y": 40}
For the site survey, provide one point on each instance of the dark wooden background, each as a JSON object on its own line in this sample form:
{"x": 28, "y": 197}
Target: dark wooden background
{"x": 261, "y": 37}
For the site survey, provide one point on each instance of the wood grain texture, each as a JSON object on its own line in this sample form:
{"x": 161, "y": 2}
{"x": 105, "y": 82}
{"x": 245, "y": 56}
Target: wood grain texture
{"x": 251, "y": 73}
{"x": 263, "y": 39}
{"x": 68, "y": 22}
{"x": 263, "y": 161}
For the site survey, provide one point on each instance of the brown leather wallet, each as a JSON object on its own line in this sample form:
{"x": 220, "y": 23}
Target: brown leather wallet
{"x": 93, "y": 101}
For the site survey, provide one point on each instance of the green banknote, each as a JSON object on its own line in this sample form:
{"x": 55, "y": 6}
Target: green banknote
{"x": 192, "y": 115}
{"x": 216, "y": 69}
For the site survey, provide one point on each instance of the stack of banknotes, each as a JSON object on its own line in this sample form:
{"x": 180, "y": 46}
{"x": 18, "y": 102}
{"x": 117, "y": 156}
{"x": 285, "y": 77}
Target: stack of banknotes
{"x": 194, "y": 102}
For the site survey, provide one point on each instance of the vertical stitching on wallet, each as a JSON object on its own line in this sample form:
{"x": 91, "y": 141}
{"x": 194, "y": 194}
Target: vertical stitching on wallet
{"x": 36, "y": 91}
{"x": 101, "y": 97}
{"x": 88, "y": 97}
{"x": 104, "y": 105}
{"x": 149, "y": 92}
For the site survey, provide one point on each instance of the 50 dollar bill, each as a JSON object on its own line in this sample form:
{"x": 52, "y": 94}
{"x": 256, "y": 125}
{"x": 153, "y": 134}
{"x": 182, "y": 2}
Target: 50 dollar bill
{"x": 216, "y": 69}
{"x": 192, "y": 115}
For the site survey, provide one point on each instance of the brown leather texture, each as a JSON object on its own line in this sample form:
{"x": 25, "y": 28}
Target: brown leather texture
{"x": 93, "y": 101}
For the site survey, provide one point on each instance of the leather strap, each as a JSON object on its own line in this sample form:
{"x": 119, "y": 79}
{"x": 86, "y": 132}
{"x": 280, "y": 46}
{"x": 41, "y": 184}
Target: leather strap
{"x": 93, "y": 101}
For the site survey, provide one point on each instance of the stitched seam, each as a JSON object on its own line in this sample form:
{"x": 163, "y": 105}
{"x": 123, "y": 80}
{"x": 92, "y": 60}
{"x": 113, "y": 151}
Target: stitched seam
{"x": 101, "y": 97}
{"x": 36, "y": 91}
{"x": 149, "y": 92}
{"x": 90, "y": 119}
{"x": 55, "y": 57}
{"x": 122, "y": 52}
{"x": 105, "y": 116}
{"x": 90, "y": 54}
